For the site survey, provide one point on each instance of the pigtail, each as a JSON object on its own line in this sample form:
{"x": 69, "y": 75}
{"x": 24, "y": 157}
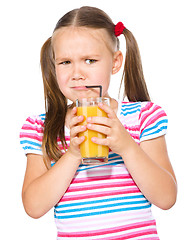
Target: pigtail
{"x": 55, "y": 106}
{"x": 134, "y": 84}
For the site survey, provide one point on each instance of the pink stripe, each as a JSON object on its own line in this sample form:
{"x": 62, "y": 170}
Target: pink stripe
{"x": 107, "y": 177}
{"x": 31, "y": 136}
{"x": 146, "y": 107}
{"x": 101, "y": 186}
{"x": 132, "y": 128}
{"x": 36, "y": 137}
{"x": 114, "y": 230}
{"x": 31, "y": 127}
{"x": 67, "y": 138}
{"x": 99, "y": 194}
{"x": 33, "y": 121}
{"x": 61, "y": 147}
{"x": 135, "y": 136}
{"x": 154, "y": 118}
{"x": 149, "y": 113}
{"x": 152, "y": 238}
{"x": 132, "y": 235}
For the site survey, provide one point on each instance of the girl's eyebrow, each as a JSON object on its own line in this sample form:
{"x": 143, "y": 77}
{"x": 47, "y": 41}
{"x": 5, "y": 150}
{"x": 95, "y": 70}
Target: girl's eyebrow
{"x": 61, "y": 59}
{"x": 91, "y": 56}
{"x": 88, "y": 56}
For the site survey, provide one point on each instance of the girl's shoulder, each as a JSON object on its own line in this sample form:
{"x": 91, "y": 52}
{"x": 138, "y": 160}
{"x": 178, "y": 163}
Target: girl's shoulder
{"x": 36, "y": 119}
{"x": 31, "y": 134}
{"x": 145, "y": 120}
{"x": 139, "y": 108}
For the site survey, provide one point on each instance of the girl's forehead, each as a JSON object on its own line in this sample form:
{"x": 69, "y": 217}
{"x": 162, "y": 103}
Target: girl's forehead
{"x": 98, "y": 35}
{"x": 73, "y": 30}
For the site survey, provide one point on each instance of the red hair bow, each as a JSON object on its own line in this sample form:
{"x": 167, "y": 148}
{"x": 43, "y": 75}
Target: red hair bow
{"x": 119, "y": 27}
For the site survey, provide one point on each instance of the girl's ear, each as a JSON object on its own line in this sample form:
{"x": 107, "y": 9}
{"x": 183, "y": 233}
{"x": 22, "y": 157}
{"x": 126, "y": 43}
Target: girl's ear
{"x": 117, "y": 62}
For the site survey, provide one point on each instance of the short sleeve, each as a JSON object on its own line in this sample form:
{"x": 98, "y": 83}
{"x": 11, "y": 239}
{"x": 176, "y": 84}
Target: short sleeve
{"x": 153, "y": 121}
{"x": 31, "y": 135}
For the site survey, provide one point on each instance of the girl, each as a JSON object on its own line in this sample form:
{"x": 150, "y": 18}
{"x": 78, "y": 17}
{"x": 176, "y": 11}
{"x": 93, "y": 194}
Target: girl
{"x": 112, "y": 200}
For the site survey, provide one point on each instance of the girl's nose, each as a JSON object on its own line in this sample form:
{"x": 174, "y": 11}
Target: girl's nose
{"x": 77, "y": 73}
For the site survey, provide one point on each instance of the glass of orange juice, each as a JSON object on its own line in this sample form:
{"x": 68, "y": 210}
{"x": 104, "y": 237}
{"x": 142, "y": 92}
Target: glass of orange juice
{"x": 91, "y": 152}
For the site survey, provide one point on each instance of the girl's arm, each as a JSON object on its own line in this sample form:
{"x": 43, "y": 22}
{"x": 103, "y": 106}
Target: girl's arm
{"x": 148, "y": 163}
{"x": 151, "y": 169}
{"x": 43, "y": 188}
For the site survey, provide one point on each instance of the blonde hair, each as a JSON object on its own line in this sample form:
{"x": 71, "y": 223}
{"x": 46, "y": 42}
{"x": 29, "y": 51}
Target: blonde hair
{"x": 135, "y": 88}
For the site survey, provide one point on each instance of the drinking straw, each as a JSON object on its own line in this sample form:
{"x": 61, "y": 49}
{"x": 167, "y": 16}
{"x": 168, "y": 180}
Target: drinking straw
{"x": 96, "y": 86}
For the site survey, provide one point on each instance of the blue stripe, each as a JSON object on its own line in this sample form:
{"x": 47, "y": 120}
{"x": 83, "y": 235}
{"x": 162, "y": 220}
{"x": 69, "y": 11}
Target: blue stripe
{"x": 42, "y": 116}
{"x": 131, "y": 112}
{"x": 113, "y": 157}
{"x": 131, "y": 104}
{"x": 136, "y": 106}
{"x": 99, "y": 201}
{"x": 30, "y": 143}
{"x": 31, "y": 148}
{"x": 128, "y": 108}
{"x": 100, "y": 207}
{"x": 156, "y": 132}
{"x": 102, "y": 212}
{"x": 84, "y": 167}
{"x": 111, "y": 154}
{"x": 156, "y": 127}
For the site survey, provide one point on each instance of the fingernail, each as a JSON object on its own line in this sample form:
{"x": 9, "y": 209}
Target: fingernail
{"x": 89, "y": 119}
{"x": 89, "y": 125}
{"x": 93, "y": 139}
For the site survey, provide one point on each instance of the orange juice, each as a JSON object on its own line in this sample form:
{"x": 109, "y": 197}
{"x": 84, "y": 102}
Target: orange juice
{"x": 88, "y": 148}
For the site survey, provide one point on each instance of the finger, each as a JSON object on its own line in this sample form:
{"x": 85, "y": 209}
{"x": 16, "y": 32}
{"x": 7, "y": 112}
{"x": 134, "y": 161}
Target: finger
{"x": 107, "y": 109}
{"x": 74, "y": 111}
{"x": 74, "y": 131}
{"x": 99, "y": 128}
{"x": 74, "y": 117}
{"x": 77, "y": 141}
{"x": 100, "y": 141}
{"x": 100, "y": 120}
{"x": 76, "y": 120}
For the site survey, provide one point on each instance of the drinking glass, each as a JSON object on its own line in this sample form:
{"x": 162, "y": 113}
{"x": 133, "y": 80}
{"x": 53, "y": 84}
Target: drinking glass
{"x": 91, "y": 152}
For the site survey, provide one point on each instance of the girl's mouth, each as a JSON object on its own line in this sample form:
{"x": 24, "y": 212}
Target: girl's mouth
{"x": 80, "y": 88}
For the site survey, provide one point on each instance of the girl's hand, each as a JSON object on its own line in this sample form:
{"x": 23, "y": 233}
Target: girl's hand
{"x": 75, "y": 129}
{"x": 118, "y": 139}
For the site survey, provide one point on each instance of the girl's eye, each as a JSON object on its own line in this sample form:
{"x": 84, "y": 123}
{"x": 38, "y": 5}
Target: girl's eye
{"x": 65, "y": 62}
{"x": 90, "y": 61}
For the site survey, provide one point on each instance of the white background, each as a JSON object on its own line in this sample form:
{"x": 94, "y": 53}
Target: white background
{"x": 25, "y": 25}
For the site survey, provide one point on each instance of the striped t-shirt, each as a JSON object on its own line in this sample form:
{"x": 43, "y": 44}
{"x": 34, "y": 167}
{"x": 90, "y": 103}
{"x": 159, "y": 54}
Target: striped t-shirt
{"x": 103, "y": 201}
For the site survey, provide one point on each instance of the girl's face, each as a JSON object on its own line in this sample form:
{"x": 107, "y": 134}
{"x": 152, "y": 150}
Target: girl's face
{"x": 83, "y": 57}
